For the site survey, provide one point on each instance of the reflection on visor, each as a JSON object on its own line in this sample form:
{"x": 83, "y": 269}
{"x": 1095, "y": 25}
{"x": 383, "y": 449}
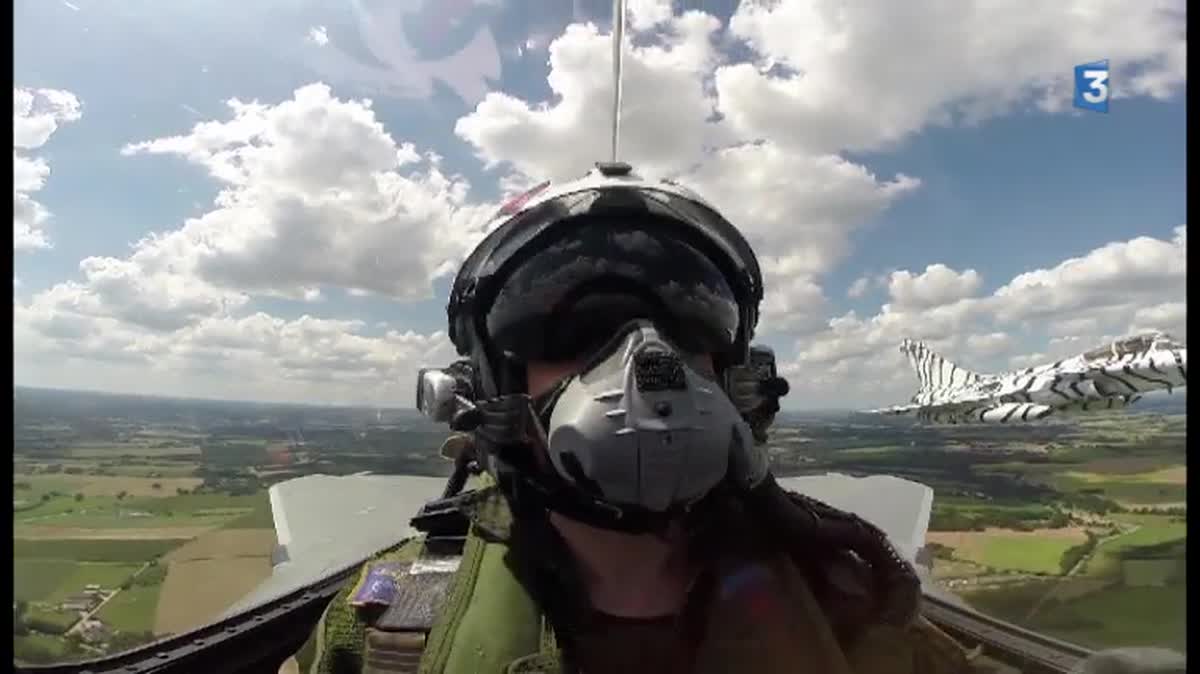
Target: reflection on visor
{"x": 570, "y": 297}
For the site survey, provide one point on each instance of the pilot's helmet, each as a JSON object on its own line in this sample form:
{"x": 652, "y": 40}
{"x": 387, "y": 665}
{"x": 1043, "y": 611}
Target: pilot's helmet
{"x": 634, "y": 280}
{"x": 567, "y": 265}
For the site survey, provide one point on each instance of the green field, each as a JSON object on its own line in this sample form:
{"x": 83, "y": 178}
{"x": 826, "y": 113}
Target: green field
{"x": 260, "y": 517}
{"x": 36, "y": 579}
{"x": 61, "y": 619}
{"x": 84, "y": 550}
{"x": 53, "y": 581}
{"x": 109, "y": 512}
{"x": 1126, "y": 490}
{"x": 129, "y": 520}
{"x": 1154, "y": 529}
{"x": 46, "y": 571}
{"x": 132, "y": 610}
{"x": 43, "y": 649}
{"x": 1115, "y": 616}
{"x": 1040, "y": 555}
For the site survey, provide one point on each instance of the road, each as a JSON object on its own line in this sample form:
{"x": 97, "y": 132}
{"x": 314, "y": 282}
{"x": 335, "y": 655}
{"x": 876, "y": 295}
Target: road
{"x": 1075, "y": 569}
{"x": 87, "y": 616}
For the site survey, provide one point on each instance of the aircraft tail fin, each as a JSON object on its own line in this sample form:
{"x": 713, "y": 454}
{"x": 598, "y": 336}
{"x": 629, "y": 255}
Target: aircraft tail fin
{"x": 935, "y": 373}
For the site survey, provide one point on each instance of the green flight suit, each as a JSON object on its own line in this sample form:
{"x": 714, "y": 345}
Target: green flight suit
{"x": 490, "y": 624}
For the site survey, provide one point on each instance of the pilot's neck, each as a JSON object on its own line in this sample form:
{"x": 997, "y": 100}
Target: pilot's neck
{"x": 630, "y": 575}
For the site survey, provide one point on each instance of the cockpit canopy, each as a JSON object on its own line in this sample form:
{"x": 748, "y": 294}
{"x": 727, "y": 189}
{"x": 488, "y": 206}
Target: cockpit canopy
{"x": 1132, "y": 345}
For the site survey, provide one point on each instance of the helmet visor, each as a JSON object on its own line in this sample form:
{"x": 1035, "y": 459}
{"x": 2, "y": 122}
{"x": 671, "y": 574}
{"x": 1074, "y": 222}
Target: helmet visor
{"x": 571, "y": 295}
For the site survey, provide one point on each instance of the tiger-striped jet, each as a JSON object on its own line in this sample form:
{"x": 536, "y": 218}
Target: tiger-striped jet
{"x": 1106, "y": 378}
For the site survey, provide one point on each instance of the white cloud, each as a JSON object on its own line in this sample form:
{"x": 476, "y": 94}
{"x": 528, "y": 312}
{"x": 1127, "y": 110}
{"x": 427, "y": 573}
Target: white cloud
{"x": 864, "y": 75}
{"x": 1108, "y": 283}
{"x": 1170, "y": 317}
{"x": 664, "y": 118}
{"x": 303, "y": 360}
{"x": 859, "y": 288}
{"x": 37, "y": 114}
{"x": 318, "y": 36}
{"x": 317, "y": 194}
{"x": 990, "y": 344}
{"x": 646, "y": 14}
{"x": 938, "y": 285}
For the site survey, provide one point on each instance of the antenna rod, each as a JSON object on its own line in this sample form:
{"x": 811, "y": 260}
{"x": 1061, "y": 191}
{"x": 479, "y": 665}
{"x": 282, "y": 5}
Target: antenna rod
{"x": 618, "y": 39}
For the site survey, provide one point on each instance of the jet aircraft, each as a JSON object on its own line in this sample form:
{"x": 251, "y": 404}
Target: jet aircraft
{"x": 1105, "y": 378}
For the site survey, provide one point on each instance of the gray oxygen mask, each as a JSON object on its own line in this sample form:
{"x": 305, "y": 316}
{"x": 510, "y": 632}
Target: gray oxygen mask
{"x": 641, "y": 426}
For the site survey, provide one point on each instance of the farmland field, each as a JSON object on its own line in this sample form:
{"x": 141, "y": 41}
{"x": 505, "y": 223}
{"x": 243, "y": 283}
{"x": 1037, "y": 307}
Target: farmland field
{"x": 34, "y": 579}
{"x": 94, "y": 550}
{"x": 133, "y": 610}
{"x": 1129, "y": 616}
{"x": 111, "y": 485}
{"x": 210, "y": 573}
{"x": 225, "y": 543}
{"x": 103, "y": 489}
{"x": 197, "y": 591}
{"x": 1037, "y": 551}
{"x": 48, "y": 533}
{"x": 104, "y": 574}
{"x": 1151, "y": 530}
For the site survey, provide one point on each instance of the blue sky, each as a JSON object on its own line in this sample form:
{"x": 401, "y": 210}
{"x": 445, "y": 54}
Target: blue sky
{"x": 879, "y": 153}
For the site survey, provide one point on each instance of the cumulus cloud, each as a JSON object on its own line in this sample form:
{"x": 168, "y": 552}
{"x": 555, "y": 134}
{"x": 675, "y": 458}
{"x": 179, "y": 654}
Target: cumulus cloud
{"x": 302, "y": 360}
{"x": 664, "y": 120}
{"x": 865, "y": 75}
{"x": 938, "y": 285}
{"x": 859, "y": 288}
{"x": 37, "y": 114}
{"x": 317, "y": 194}
{"x": 318, "y": 36}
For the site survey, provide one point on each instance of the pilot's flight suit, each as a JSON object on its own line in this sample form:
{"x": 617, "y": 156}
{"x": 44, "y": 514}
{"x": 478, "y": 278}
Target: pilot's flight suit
{"x": 760, "y": 613}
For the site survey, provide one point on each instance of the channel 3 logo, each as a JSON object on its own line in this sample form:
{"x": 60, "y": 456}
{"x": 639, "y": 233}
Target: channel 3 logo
{"x": 1091, "y": 86}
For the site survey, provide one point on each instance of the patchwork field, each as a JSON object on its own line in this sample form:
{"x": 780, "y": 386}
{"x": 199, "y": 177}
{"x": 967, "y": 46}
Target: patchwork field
{"x": 133, "y": 609}
{"x": 225, "y": 544}
{"x": 1147, "y": 530}
{"x": 1173, "y": 475}
{"x": 34, "y": 579}
{"x": 209, "y": 574}
{"x": 1038, "y": 551}
{"x": 1098, "y": 619}
{"x": 63, "y": 509}
{"x": 166, "y": 500}
{"x": 50, "y": 533}
{"x": 84, "y": 550}
{"x": 166, "y": 579}
{"x": 111, "y": 485}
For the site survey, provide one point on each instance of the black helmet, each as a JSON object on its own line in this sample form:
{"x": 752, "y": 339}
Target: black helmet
{"x": 566, "y": 262}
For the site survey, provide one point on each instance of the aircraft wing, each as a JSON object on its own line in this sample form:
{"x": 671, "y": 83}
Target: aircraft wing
{"x": 899, "y": 507}
{"x": 324, "y": 523}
